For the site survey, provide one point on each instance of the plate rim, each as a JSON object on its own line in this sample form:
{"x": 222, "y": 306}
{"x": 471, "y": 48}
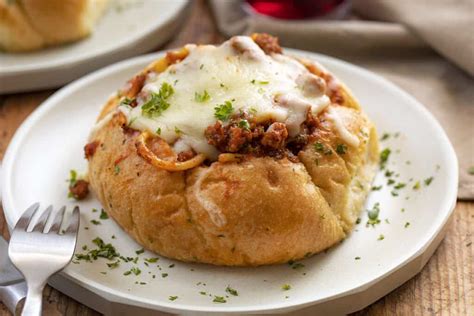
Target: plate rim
{"x": 448, "y": 204}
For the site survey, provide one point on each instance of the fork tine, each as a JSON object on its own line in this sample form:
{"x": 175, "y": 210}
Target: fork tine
{"x": 74, "y": 221}
{"x": 41, "y": 222}
{"x": 56, "y": 225}
{"x": 26, "y": 217}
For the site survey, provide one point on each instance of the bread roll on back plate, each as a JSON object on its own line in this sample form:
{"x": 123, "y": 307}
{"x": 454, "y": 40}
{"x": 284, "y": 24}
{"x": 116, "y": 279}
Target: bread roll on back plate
{"x": 27, "y": 25}
{"x": 233, "y": 155}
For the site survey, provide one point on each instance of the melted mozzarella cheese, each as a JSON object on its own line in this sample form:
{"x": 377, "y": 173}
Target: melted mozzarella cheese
{"x": 273, "y": 87}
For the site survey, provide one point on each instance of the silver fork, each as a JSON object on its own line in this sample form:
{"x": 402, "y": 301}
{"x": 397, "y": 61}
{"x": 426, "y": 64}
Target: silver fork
{"x": 40, "y": 251}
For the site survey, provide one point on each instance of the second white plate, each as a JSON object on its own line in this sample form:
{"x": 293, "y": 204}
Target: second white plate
{"x": 127, "y": 29}
{"x": 370, "y": 263}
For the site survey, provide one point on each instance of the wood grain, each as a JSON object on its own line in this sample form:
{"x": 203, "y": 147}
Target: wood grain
{"x": 444, "y": 287}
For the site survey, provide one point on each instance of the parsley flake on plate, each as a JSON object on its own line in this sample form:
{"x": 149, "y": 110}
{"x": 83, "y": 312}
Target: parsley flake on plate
{"x": 286, "y": 287}
{"x": 384, "y": 155}
{"x": 374, "y": 215}
{"x": 103, "y": 214}
{"x": 231, "y": 291}
{"x": 219, "y": 299}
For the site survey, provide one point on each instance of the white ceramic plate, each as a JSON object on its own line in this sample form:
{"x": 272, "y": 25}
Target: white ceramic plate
{"x": 50, "y": 141}
{"x": 128, "y": 28}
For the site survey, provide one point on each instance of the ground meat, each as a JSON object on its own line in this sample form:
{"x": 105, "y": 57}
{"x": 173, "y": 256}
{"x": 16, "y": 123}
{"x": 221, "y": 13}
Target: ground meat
{"x": 267, "y": 43}
{"x": 186, "y": 155}
{"x": 79, "y": 189}
{"x": 216, "y": 135}
{"x": 275, "y": 136}
{"x": 237, "y": 138}
{"x": 89, "y": 149}
{"x": 260, "y": 139}
{"x": 229, "y": 138}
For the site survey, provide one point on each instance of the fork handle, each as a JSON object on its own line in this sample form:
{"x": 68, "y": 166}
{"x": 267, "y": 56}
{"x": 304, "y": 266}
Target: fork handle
{"x": 34, "y": 301}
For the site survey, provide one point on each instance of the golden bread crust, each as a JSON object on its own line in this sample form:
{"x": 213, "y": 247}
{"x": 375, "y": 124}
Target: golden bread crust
{"x": 249, "y": 212}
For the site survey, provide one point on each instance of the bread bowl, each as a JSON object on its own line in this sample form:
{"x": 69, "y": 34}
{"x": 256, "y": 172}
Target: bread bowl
{"x": 233, "y": 155}
{"x": 27, "y": 25}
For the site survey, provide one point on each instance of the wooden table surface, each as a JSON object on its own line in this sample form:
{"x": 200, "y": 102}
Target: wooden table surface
{"x": 444, "y": 287}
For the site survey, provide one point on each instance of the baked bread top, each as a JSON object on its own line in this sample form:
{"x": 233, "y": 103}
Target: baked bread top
{"x": 233, "y": 155}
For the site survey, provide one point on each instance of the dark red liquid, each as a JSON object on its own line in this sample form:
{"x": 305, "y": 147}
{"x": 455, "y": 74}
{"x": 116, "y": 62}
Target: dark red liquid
{"x": 294, "y": 9}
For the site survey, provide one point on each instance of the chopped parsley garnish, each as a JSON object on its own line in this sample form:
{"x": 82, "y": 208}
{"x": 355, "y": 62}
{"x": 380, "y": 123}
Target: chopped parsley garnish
{"x": 244, "y": 124}
{"x": 177, "y": 130}
{"x": 72, "y": 180}
{"x": 126, "y": 101}
{"x": 357, "y": 258}
{"x": 341, "y": 149}
{"x": 104, "y": 250}
{"x": 152, "y": 260}
{"x": 384, "y": 155}
{"x": 399, "y": 186}
{"x": 297, "y": 265}
{"x": 407, "y": 224}
{"x": 231, "y": 291}
{"x": 376, "y": 188}
{"x": 94, "y": 210}
{"x": 390, "y": 181}
{"x": 202, "y": 97}
{"x": 116, "y": 169}
{"x": 113, "y": 264}
{"x": 428, "y": 181}
{"x": 319, "y": 147}
{"x": 127, "y": 272}
{"x": 140, "y": 251}
{"x": 381, "y": 237}
{"x": 259, "y": 82}
{"x": 286, "y": 287}
{"x": 158, "y": 101}
{"x": 203, "y": 293}
{"x": 388, "y": 173}
{"x": 470, "y": 170}
{"x": 103, "y": 214}
{"x": 95, "y": 222}
{"x": 172, "y": 298}
{"x": 136, "y": 270}
{"x": 374, "y": 215}
{"x": 223, "y": 111}
{"x": 417, "y": 185}
{"x": 158, "y": 131}
{"x": 385, "y": 136}
{"x": 201, "y": 67}
{"x": 164, "y": 275}
{"x": 219, "y": 299}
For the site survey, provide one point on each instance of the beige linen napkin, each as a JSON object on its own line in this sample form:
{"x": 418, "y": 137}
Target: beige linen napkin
{"x": 424, "y": 46}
